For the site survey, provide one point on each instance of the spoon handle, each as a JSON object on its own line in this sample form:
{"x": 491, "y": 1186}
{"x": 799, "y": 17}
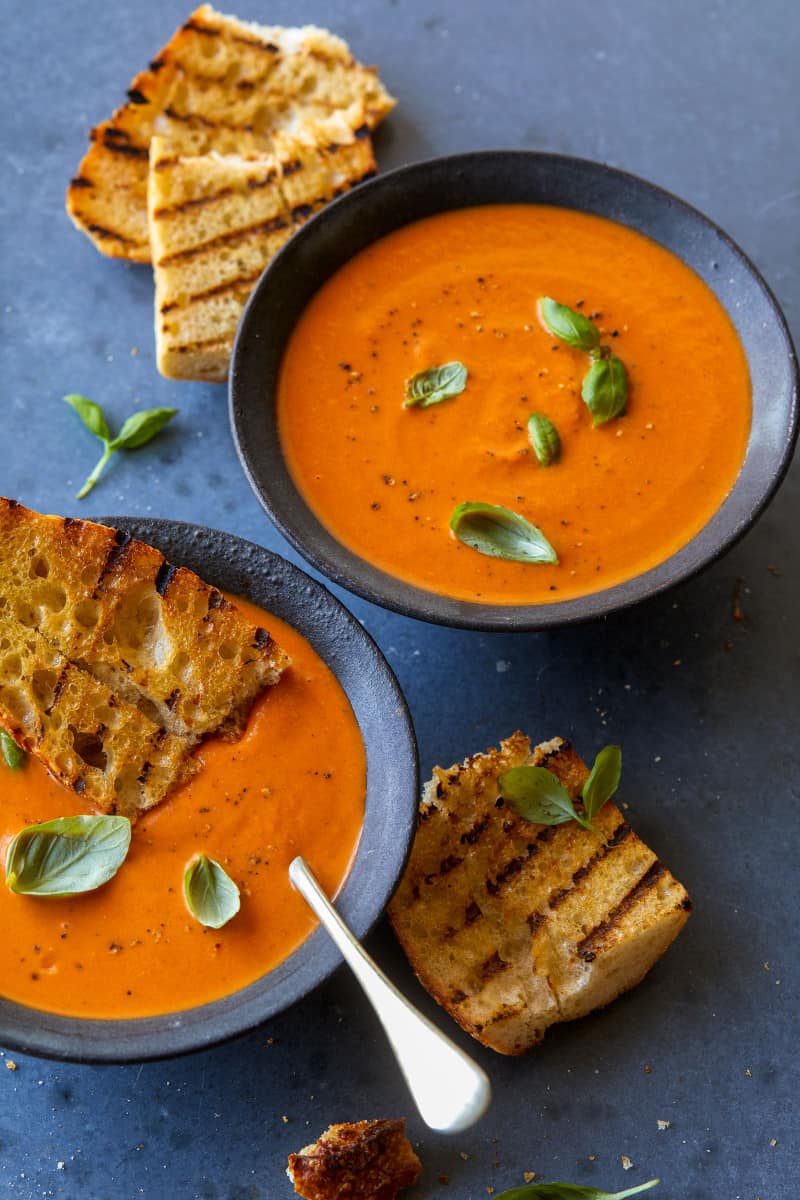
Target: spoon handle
{"x": 449, "y": 1089}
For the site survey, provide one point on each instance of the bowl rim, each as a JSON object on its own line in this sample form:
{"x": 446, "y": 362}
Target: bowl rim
{"x": 376, "y": 867}
{"x": 356, "y": 574}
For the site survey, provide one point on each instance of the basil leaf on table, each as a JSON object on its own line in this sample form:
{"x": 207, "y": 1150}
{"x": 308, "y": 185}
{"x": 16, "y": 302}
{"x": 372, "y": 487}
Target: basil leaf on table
{"x": 13, "y": 755}
{"x": 142, "y": 427}
{"x": 605, "y": 388}
{"x": 543, "y": 437}
{"x": 91, "y": 414}
{"x": 67, "y": 856}
{"x": 568, "y": 325}
{"x": 603, "y": 780}
{"x": 571, "y": 1191}
{"x": 138, "y": 430}
{"x": 500, "y": 533}
{"x": 435, "y": 385}
{"x": 535, "y": 794}
{"x": 210, "y": 893}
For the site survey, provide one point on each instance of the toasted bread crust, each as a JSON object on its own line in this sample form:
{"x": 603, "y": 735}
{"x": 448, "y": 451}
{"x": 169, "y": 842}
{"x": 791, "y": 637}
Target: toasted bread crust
{"x": 367, "y": 1160}
{"x": 513, "y": 926}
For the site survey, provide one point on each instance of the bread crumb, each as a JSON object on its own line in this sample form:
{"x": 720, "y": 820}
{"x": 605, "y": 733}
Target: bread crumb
{"x": 489, "y": 1189}
{"x": 10, "y": 1064}
{"x": 285, "y": 1119}
{"x": 663, "y": 1124}
{"x": 61, "y": 1166}
{"x": 648, "y": 1070}
{"x": 773, "y": 1141}
{"x": 626, "y": 1162}
{"x": 444, "y": 1180}
{"x": 592, "y": 1158}
{"x": 748, "y": 1073}
{"x": 463, "y": 1154}
{"x": 134, "y": 351}
{"x": 529, "y": 1176}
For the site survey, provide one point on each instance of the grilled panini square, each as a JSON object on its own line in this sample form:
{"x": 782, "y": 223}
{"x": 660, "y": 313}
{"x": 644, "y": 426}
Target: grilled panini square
{"x": 222, "y": 85}
{"x": 513, "y": 926}
{"x": 364, "y": 1160}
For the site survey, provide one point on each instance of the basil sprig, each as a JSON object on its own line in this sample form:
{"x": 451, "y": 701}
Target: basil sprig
{"x": 435, "y": 385}
{"x": 67, "y": 856}
{"x": 568, "y": 325}
{"x": 537, "y": 795}
{"x": 138, "y": 430}
{"x": 13, "y": 755}
{"x": 210, "y": 893}
{"x": 500, "y": 533}
{"x": 571, "y": 1191}
{"x": 543, "y": 437}
{"x": 605, "y": 387}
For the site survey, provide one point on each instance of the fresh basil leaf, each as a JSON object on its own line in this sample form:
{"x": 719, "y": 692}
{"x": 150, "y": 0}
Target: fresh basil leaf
{"x": 603, "y": 780}
{"x": 543, "y": 437}
{"x": 211, "y": 895}
{"x": 605, "y": 388}
{"x": 67, "y": 856}
{"x": 571, "y": 1191}
{"x": 568, "y": 325}
{"x": 91, "y": 414}
{"x": 435, "y": 385}
{"x": 142, "y": 427}
{"x": 13, "y": 754}
{"x": 535, "y": 794}
{"x": 500, "y": 533}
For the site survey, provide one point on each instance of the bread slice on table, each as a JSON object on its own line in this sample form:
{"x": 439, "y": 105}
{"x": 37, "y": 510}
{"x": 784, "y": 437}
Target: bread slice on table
{"x": 99, "y": 621}
{"x": 513, "y": 926}
{"x": 219, "y": 84}
{"x": 365, "y": 1160}
{"x": 217, "y": 220}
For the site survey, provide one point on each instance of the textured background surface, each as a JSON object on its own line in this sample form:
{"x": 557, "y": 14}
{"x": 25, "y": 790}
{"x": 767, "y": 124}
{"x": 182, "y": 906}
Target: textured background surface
{"x": 699, "y": 98}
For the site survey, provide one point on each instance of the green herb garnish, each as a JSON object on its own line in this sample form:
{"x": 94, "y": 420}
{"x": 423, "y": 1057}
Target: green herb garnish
{"x": 540, "y": 797}
{"x": 568, "y": 325}
{"x": 605, "y": 387}
{"x": 543, "y": 437}
{"x": 210, "y": 893}
{"x": 500, "y": 533}
{"x": 138, "y": 430}
{"x": 13, "y": 755}
{"x": 435, "y": 385}
{"x": 67, "y": 856}
{"x": 571, "y": 1191}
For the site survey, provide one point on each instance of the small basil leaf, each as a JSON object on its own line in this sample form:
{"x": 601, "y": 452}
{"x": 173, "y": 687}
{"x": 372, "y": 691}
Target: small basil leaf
{"x": 13, "y": 755}
{"x": 211, "y": 895}
{"x": 605, "y": 388}
{"x": 142, "y": 427}
{"x": 571, "y": 1191}
{"x": 500, "y": 533}
{"x": 91, "y": 414}
{"x": 603, "y": 780}
{"x": 535, "y": 794}
{"x": 435, "y": 385}
{"x": 568, "y": 325}
{"x": 543, "y": 437}
{"x": 67, "y": 856}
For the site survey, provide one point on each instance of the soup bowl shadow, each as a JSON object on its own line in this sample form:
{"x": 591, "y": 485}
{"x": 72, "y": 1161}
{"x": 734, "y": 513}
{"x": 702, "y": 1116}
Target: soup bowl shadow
{"x": 245, "y": 569}
{"x": 423, "y": 189}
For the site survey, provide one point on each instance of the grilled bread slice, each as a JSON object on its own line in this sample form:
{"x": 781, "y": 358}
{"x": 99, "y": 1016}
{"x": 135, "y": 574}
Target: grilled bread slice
{"x": 158, "y": 636}
{"x": 366, "y": 1160}
{"x": 219, "y": 84}
{"x": 513, "y": 926}
{"x": 217, "y": 220}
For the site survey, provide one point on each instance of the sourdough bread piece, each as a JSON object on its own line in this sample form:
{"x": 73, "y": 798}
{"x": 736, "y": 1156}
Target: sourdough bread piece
{"x": 158, "y": 636}
{"x": 217, "y": 220}
{"x": 366, "y": 1160}
{"x": 219, "y": 84}
{"x": 513, "y": 926}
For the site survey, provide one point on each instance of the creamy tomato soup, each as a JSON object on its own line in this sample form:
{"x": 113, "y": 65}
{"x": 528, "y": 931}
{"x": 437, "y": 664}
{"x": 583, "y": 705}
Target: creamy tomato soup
{"x": 294, "y": 784}
{"x": 463, "y": 286}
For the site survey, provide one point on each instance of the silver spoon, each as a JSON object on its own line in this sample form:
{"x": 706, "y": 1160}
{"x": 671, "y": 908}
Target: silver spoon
{"x": 449, "y": 1089}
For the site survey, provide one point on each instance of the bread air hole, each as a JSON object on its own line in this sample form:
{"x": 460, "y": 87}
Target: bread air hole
{"x": 26, "y": 615}
{"x": 43, "y": 685}
{"x": 86, "y": 613}
{"x": 40, "y": 568}
{"x": 11, "y": 667}
{"x": 228, "y": 650}
{"x": 52, "y": 597}
{"x": 18, "y": 704}
{"x": 89, "y": 748}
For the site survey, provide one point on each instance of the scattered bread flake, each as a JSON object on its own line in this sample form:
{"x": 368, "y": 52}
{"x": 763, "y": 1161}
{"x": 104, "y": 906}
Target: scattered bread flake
{"x": 10, "y": 1064}
{"x": 61, "y": 1166}
{"x": 626, "y": 1162}
{"x": 773, "y": 1141}
{"x": 748, "y": 1073}
{"x": 463, "y": 1154}
{"x": 134, "y": 351}
{"x": 529, "y": 1176}
{"x": 663, "y": 1124}
{"x": 285, "y": 1119}
{"x": 444, "y": 1180}
{"x": 592, "y": 1158}
{"x": 648, "y": 1070}
{"x": 489, "y": 1189}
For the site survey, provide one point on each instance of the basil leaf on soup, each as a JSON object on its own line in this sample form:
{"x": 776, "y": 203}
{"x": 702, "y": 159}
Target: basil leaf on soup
{"x": 571, "y": 1191}
{"x": 603, "y": 780}
{"x": 500, "y": 533}
{"x": 210, "y": 893}
{"x": 67, "y": 856}
{"x": 435, "y": 385}
{"x": 13, "y": 755}
{"x": 605, "y": 388}
{"x": 543, "y": 437}
{"x": 537, "y": 795}
{"x": 568, "y": 325}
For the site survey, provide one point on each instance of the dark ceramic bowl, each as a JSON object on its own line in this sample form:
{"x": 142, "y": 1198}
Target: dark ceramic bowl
{"x": 392, "y": 782}
{"x": 490, "y": 177}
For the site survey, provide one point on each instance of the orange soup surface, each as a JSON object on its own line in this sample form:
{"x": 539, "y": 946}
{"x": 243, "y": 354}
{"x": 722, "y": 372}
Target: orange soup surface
{"x": 294, "y": 784}
{"x": 463, "y": 286}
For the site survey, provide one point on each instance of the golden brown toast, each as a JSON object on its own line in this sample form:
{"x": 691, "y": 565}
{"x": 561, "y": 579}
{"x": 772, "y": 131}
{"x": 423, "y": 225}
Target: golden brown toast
{"x": 219, "y": 84}
{"x": 513, "y": 926}
{"x": 217, "y": 220}
{"x": 367, "y": 1160}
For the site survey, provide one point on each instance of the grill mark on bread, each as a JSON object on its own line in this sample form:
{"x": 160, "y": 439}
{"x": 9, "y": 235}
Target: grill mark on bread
{"x": 493, "y": 965}
{"x": 617, "y": 838}
{"x": 137, "y": 97}
{"x": 80, "y": 181}
{"x": 116, "y": 147}
{"x": 202, "y": 201}
{"x": 234, "y": 238}
{"x": 590, "y": 945}
{"x": 235, "y": 285}
{"x": 164, "y": 577}
{"x": 102, "y": 232}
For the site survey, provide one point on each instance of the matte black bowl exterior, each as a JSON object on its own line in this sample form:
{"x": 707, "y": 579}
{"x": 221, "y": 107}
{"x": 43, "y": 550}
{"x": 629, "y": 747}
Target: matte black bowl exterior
{"x": 489, "y": 177}
{"x": 392, "y": 785}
